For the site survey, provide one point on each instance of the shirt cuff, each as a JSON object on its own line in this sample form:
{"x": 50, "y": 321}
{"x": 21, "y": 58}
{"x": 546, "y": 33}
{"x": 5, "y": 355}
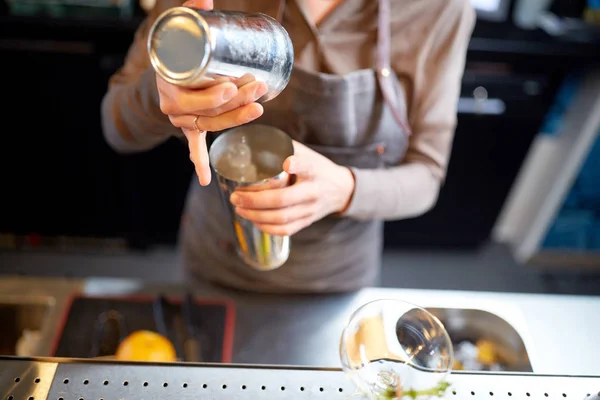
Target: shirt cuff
{"x": 395, "y": 193}
{"x": 365, "y": 188}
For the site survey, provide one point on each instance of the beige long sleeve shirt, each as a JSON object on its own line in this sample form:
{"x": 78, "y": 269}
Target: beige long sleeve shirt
{"x": 428, "y": 51}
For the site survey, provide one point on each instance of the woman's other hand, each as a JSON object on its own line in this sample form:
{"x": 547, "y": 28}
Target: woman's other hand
{"x": 226, "y": 104}
{"x": 321, "y": 188}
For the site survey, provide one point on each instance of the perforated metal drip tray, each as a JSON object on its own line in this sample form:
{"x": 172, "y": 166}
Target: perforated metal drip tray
{"x": 53, "y": 379}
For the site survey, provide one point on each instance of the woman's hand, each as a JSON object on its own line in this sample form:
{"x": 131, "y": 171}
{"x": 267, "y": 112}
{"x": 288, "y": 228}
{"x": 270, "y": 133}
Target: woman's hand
{"x": 226, "y": 104}
{"x": 321, "y": 188}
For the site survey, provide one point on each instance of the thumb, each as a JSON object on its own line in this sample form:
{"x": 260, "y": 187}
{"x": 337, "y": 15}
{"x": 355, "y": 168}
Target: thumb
{"x": 200, "y": 4}
{"x": 298, "y": 165}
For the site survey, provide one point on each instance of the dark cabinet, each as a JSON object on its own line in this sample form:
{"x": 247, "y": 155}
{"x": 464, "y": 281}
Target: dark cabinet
{"x": 155, "y": 186}
{"x": 498, "y": 118}
{"x": 59, "y": 177}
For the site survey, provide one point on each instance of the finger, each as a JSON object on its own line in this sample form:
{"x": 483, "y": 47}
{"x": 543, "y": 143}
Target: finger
{"x": 246, "y": 94}
{"x": 244, "y": 80}
{"x": 300, "y": 149}
{"x": 299, "y": 193}
{"x": 230, "y": 119}
{"x": 237, "y": 117}
{"x": 299, "y": 165}
{"x": 199, "y": 154}
{"x": 279, "y": 216}
{"x": 201, "y": 4}
{"x": 239, "y": 82}
{"x": 285, "y": 230}
{"x": 176, "y": 100}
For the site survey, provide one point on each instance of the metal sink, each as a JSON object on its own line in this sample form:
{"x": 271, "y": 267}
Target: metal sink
{"x": 474, "y": 325}
{"x": 22, "y": 315}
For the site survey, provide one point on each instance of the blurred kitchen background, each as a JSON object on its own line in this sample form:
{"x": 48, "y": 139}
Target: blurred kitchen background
{"x": 520, "y": 210}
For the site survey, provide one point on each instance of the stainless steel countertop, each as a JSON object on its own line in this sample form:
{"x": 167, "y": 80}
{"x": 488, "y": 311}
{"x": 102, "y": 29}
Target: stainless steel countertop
{"x": 72, "y": 379}
{"x": 560, "y": 332}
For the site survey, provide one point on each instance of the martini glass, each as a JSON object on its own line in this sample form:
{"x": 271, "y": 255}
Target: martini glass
{"x": 391, "y": 349}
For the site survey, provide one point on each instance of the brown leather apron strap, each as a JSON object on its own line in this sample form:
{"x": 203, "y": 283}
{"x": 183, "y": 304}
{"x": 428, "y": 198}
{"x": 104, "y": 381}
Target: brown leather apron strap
{"x": 384, "y": 69}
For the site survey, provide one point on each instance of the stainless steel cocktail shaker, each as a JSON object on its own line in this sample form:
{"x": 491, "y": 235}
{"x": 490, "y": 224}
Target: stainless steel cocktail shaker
{"x": 251, "y": 158}
{"x": 191, "y": 48}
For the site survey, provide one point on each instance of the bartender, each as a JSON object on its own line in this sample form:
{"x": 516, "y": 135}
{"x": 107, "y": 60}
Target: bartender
{"x": 371, "y": 106}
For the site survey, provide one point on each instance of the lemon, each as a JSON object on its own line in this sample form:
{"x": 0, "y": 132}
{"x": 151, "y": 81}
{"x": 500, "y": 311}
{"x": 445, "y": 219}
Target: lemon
{"x": 146, "y": 345}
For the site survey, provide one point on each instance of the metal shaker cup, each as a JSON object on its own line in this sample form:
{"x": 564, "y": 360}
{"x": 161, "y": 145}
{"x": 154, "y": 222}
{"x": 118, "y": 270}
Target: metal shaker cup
{"x": 250, "y": 158}
{"x": 193, "y": 48}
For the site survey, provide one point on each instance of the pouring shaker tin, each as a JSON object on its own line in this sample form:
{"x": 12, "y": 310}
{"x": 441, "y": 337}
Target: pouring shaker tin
{"x": 192, "y": 48}
{"x": 268, "y": 147}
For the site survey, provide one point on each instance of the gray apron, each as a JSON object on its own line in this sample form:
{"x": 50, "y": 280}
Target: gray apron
{"x": 356, "y": 120}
